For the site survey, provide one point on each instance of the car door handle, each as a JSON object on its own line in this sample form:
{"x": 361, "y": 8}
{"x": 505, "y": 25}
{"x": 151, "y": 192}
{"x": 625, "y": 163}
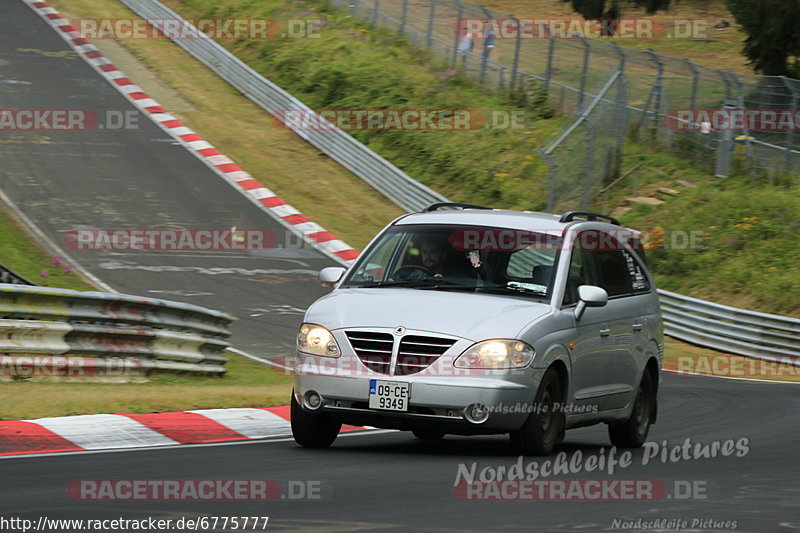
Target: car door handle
{"x": 605, "y": 332}
{"x": 637, "y": 327}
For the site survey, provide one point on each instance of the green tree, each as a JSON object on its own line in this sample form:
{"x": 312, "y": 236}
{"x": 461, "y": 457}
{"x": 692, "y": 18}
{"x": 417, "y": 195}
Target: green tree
{"x": 773, "y": 29}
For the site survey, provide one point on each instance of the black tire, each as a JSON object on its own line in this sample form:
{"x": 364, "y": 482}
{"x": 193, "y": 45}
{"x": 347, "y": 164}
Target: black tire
{"x": 633, "y": 432}
{"x": 312, "y": 430}
{"x": 427, "y": 434}
{"x": 544, "y": 427}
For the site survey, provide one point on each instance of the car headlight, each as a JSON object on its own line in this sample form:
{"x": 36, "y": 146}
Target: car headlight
{"x": 496, "y": 353}
{"x": 316, "y": 340}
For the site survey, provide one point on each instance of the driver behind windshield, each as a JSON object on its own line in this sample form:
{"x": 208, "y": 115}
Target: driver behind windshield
{"x": 432, "y": 254}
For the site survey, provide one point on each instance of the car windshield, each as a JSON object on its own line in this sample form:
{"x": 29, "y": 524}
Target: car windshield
{"x": 459, "y": 258}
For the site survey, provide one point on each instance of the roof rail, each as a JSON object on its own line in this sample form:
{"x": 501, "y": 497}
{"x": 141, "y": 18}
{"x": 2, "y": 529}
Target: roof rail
{"x": 570, "y": 216}
{"x": 435, "y": 207}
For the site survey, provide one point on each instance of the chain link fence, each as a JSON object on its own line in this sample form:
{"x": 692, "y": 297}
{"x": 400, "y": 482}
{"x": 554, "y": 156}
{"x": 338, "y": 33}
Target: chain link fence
{"x": 572, "y": 69}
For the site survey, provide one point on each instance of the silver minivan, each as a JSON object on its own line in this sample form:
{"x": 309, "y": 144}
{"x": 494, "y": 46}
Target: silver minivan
{"x": 467, "y": 320}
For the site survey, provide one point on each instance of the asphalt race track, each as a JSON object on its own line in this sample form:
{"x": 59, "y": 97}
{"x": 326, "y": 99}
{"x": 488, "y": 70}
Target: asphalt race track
{"x": 391, "y": 481}
{"x": 139, "y": 179}
{"x": 372, "y": 481}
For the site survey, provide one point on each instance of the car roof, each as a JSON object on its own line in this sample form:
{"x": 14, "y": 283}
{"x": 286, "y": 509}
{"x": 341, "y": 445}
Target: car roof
{"x": 501, "y": 218}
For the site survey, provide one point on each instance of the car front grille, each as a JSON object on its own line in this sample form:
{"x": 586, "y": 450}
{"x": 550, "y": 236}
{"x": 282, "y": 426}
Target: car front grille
{"x": 418, "y": 352}
{"x": 374, "y": 349}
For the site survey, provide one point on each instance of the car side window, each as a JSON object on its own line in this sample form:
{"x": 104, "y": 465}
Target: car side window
{"x": 579, "y": 274}
{"x": 612, "y": 272}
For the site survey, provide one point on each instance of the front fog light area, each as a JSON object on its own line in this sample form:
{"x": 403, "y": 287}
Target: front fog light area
{"x": 476, "y": 413}
{"x": 316, "y": 340}
{"x": 496, "y": 353}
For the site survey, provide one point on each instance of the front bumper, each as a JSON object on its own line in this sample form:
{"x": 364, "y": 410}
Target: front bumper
{"x": 435, "y": 403}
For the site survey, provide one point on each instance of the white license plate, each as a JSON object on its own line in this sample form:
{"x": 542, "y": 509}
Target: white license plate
{"x": 389, "y": 395}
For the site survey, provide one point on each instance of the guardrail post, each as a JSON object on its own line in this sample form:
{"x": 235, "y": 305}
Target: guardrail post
{"x": 431, "y": 17}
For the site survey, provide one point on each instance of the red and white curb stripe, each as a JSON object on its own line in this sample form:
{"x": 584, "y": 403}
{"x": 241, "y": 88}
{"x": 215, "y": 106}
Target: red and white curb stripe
{"x": 267, "y": 200}
{"x": 107, "y": 432}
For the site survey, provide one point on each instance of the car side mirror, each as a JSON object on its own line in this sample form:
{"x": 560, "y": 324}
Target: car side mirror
{"x": 590, "y": 296}
{"x": 330, "y": 276}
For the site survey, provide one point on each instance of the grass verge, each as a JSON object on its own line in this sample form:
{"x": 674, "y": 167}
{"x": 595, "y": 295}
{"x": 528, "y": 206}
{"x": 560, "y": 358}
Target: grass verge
{"x": 21, "y": 252}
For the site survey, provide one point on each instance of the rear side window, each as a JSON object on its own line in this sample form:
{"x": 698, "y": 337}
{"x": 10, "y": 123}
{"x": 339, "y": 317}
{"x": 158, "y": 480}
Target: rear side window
{"x": 612, "y": 272}
{"x": 613, "y": 268}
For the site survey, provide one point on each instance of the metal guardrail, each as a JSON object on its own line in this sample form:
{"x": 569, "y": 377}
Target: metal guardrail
{"x": 730, "y": 329}
{"x": 697, "y": 321}
{"x": 115, "y": 332}
{"x": 383, "y": 176}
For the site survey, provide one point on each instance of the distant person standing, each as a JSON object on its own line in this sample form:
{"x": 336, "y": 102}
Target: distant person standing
{"x": 488, "y": 43}
{"x": 465, "y": 46}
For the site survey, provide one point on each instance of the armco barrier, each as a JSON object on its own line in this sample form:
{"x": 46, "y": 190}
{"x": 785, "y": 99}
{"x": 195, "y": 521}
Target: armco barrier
{"x": 689, "y": 319}
{"x": 730, "y": 329}
{"x": 102, "y": 332}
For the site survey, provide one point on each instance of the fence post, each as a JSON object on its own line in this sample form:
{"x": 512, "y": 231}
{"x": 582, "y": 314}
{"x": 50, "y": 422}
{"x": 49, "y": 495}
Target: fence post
{"x": 658, "y": 87}
{"x": 621, "y": 55}
{"x": 486, "y": 49}
{"x": 695, "y": 77}
{"x": 548, "y": 73}
{"x": 431, "y": 16}
{"x": 403, "y": 18}
{"x": 790, "y": 134}
{"x": 514, "y": 72}
{"x": 724, "y": 150}
{"x": 375, "y": 11}
{"x": 551, "y": 180}
{"x": 622, "y": 118}
{"x": 584, "y": 69}
{"x": 587, "y": 164}
{"x": 457, "y": 27}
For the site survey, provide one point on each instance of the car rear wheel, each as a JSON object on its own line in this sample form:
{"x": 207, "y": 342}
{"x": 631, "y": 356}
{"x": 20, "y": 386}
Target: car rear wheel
{"x": 633, "y": 432}
{"x": 544, "y": 427}
{"x": 426, "y": 434}
{"x": 313, "y": 430}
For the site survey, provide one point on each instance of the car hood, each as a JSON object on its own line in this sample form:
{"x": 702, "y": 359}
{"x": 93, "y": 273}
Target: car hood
{"x": 467, "y": 315}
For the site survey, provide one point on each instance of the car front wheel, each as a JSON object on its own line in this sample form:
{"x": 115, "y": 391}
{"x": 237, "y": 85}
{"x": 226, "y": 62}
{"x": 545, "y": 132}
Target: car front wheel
{"x": 313, "y": 430}
{"x": 544, "y": 427}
